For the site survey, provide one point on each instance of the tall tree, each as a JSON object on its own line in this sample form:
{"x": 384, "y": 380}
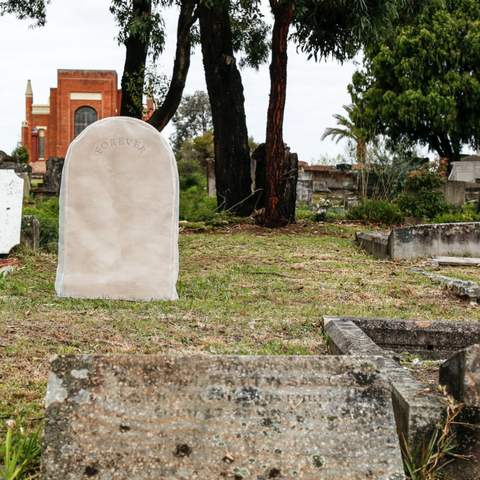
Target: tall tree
{"x": 225, "y": 90}
{"x": 192, "y": 119}
{"x": 186, "y": 19}
{"x": 350, "y": 127}
{"x": 141, "y": 31}
{"x": 421, "y": 84}
{"x": 25, "y": 9}
{"x": 323, "y": 28}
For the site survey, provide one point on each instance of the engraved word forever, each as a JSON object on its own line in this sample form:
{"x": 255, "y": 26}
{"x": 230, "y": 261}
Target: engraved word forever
{"x": 117, "y": 142}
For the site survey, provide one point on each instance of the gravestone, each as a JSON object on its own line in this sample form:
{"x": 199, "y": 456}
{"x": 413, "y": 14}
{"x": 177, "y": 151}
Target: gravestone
{"x": 213, "y": 417}
{"x": 119, "y": 214}
{"x": 11, "y": 199}
{"x": 53, "y": 175}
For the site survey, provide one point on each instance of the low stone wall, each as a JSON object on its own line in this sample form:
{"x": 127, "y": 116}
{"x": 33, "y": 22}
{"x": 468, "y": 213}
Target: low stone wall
{"x": 420, "y": 241}
{"x": 375, "y": 243}
{"x": 455, "y": 239}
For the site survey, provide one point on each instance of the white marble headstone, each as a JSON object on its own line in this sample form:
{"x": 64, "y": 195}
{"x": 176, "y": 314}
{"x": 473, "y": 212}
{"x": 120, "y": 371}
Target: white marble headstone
{"x": 119, "y": 214}
{"x": 11, "y": 198}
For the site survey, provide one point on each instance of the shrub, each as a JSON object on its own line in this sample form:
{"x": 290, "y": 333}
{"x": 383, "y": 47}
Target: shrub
{"x": 467, "y": 213}
{"x": 197, "y": 206}
{"x": 46, "y": 211}
{"x": 422, "y": 197}
{"x": 376, "y": 211}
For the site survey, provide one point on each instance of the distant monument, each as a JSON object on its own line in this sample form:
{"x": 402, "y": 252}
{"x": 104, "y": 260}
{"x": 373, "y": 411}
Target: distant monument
{"x": 119, "y": 214}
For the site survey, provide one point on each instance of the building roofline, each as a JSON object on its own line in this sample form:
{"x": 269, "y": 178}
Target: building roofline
{"x": 60, "y": 70}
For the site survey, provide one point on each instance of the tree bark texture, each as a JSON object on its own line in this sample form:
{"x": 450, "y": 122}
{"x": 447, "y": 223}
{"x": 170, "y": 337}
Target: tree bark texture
{"x": 279, "y": 206}
{"x": 225, "y": 90}
{"x": 134, "y": 70}
{"x": 187, "y": 17}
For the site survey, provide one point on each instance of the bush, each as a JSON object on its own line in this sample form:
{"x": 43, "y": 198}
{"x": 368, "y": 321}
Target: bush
{"x": 422, "y": 197}
{"x": 376, "y": 211}
{"x": 46, "y": 211}
{"x": 197, "y": 206}
{"x": 467, "y": 213}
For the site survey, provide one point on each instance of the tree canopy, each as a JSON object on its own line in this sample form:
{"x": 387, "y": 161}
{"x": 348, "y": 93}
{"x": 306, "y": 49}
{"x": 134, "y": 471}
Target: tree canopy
{"x": 421, "y": 83}
{"x": 32, "y": 9}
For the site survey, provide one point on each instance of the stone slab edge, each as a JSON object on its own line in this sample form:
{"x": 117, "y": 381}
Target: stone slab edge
{"x": 444, "y": 337}
{"x": 416, "y": 410}
{"x": 375, "y": 243}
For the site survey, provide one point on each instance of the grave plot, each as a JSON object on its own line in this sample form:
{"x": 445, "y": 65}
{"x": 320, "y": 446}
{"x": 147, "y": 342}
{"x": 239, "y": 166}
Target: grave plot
{"x": 418, "y": 241}
{"x": 419, "y": 409}
{"x": 207, "y": 417}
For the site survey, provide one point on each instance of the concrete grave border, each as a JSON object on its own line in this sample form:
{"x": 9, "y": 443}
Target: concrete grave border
{"x": 417, "y": 241}
{"x": 417, "y": 411}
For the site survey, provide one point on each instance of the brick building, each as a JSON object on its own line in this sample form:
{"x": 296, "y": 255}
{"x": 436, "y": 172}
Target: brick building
{"x": 80, "y": 98}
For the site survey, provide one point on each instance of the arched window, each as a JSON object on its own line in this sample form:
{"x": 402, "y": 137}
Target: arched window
{"x": 84, "y": 116}
{"x": 41, "y": 144}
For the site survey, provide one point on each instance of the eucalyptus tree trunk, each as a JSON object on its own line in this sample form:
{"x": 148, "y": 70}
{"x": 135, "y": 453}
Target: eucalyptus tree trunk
{"x": 280, "y": 174}
{"x": 225, "y": 90}
{"x": 134, "y": 70}
{"x": 187, "y": 17}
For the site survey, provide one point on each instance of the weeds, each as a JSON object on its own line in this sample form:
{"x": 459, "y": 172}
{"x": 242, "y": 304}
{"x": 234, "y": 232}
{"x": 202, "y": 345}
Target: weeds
{"x": 435, "y": 454}
{"x": 19, "y": 453}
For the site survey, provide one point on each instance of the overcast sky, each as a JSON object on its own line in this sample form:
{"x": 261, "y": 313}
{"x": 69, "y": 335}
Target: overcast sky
{"x": 82, "y": 35}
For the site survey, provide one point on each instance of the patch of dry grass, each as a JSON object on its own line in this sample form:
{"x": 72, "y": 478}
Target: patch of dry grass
{"x": 243, "y": 290}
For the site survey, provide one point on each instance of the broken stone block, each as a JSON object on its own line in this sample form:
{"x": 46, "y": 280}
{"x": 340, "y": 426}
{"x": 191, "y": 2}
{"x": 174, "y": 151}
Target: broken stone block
{"x": 461, "y": 375}
{"x": 211, "y": 417}
{"x": 30, "y": 236}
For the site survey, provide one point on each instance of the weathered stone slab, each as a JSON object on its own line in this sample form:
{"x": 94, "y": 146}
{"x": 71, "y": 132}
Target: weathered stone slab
{"x": 209, "y": 417}
{"x": 119, "y": 214}
{"x": 457, "y": 261}
{"x": 461, "y": 375}
{"x": 11, "y": 199}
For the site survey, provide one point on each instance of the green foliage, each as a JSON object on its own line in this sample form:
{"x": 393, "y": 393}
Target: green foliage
{"x": 197, "y": 206}
{"x": 193, "y": 118}
{"x": 193, "y": 159}
{"x": 339, "y": 28}
{"x": 422, "y": 82}
{"x": 389, "y": 166}
{"x": 19, "y": 453}
{"x": 422, "y": 197}
{"x": 32, "y": 9}
{"x": 46, "y": 211}
{"x": 467, "y": 213}
{"x": 20, "y": 154}
{"x": 150, "y": 28}
{"x": 377, "y": 211}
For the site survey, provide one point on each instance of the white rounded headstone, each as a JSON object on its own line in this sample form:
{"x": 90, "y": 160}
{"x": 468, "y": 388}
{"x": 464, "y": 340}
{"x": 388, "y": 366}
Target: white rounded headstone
{"x": 119, "y": 214}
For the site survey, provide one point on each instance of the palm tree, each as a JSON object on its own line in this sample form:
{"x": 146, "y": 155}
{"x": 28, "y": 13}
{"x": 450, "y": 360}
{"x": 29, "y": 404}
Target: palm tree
{"x": 349, "y": 128}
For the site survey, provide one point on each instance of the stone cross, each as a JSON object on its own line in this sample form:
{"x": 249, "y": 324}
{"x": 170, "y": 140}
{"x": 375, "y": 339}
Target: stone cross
{"x": 119, "y": 214}
{"x": 11, "y": 198}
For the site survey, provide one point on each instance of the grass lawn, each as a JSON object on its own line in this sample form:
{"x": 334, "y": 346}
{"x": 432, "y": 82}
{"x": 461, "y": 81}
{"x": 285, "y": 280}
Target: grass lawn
{"x": 243, "y": 290}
